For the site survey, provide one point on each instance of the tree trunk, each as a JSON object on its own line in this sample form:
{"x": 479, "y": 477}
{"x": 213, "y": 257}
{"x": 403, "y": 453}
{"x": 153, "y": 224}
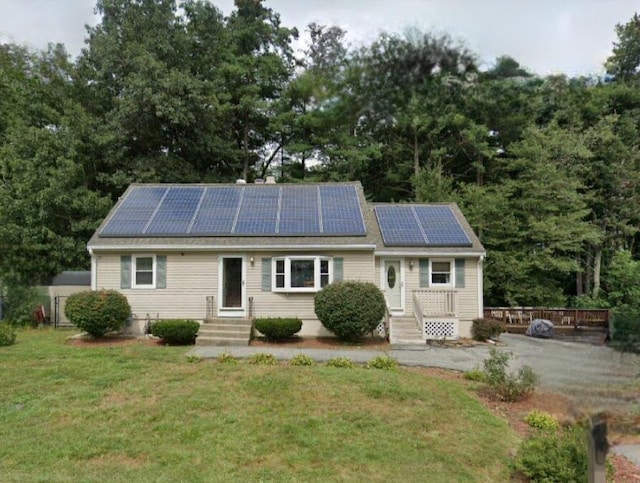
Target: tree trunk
{"x": 587, "y": 272}
{"x": 480, "y": 172}
{"x": 416, "y": 155}
{"x": 596, "y": 272}
{"x": 580, "y": 283}
{"x": 245, "y": 146}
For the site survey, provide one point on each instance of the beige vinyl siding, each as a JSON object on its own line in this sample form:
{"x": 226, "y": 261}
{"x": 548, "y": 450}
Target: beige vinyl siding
{"x": 356, "y": 266}
{"x": 190, "y": 279}
{"x": 467, "y": 296}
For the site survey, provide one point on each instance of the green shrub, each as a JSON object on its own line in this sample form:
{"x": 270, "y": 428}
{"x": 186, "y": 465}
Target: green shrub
{"x": 475, "y": 374}
{"x": 7, "y": 335}
{"x": 553, "y": 456}
{"x": 350, "y": 309}
{"x": 383, "y": 362}
{"x": 225, "y": 358}
{"x": 97, "y": 312}
{"x": 20, "y": 304}
{"x": 341, "y": 362}
{"x": 625, "y": 333}
{"x": 176, "y": 331}
{"x": 484, "y": 329}
{"x": 302, "y": 360}
{"x": 262, "y": 359}
{"x": 278, "y": 328}
{"x": 542, "y": 420}
{"x": 194, "y": 358}
{"x": 505, "y": 385}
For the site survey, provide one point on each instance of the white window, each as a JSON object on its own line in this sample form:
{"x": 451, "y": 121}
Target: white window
{"x": 441, "y": 273}
{"x": 301, "y": 274}
{"x": 144, "y": 271}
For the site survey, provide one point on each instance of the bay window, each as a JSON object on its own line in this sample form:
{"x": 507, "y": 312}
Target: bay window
{"x": 301, "y": 274}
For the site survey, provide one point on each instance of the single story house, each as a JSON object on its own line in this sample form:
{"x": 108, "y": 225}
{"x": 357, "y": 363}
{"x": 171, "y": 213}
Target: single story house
{"x": 239, "y": 251}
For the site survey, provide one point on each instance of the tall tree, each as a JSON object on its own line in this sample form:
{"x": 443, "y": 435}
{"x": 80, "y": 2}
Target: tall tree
{"x": 624, "y": 62}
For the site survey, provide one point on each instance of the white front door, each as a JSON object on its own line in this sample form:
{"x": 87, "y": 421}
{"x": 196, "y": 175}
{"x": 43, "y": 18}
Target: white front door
{"x": 393, "y": 284}
{"x": 231, "y": 287}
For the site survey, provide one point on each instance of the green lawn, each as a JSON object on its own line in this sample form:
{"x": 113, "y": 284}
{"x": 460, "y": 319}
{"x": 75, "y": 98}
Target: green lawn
{"x": 144, "y": 413}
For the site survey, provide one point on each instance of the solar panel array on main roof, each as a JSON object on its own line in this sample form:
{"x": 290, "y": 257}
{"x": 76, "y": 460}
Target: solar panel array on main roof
{"x": 420, "y": 226}
{"x": 268, "y": 210}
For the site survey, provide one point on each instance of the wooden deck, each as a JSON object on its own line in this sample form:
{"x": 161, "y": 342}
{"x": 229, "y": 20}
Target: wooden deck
{"x": 512, "y": 317}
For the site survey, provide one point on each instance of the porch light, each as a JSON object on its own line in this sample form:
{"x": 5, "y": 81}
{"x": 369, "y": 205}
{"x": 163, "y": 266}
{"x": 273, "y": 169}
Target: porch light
{"x": 411, "y": 264}
{"x": 251, "y": 261}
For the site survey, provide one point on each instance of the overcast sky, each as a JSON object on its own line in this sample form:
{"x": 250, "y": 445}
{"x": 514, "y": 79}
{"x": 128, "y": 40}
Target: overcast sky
{"x": 546, "y": 36}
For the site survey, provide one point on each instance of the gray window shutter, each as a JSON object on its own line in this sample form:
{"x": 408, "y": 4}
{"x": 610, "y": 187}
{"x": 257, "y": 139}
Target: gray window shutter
{"x": 459, "y": 272}
{"x": 161, "y": 271}
{"x": 125, "y": 271}
{"x": 424, "y": 272}
{"x": 338, "y": 264}
{"x": 266, "y": 275}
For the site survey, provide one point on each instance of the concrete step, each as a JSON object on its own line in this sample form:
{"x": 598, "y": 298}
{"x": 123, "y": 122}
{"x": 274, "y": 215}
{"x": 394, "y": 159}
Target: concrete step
{"x": 405, "y": 331}
{"x": 221, "y": 341}
{"x": 224, "y": 332}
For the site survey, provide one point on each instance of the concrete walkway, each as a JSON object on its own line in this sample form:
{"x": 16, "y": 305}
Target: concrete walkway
{"x": 596, "y": 378}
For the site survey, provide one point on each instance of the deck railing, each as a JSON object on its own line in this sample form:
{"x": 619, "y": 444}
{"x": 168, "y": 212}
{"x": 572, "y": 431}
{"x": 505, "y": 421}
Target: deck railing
{"x": 559, "y": 316}
{"x": 436, "y": 302}
{"x": 211, "y": 307}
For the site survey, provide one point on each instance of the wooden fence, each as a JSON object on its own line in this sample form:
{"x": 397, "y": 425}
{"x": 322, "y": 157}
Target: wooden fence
{"x": 577, "y": 318}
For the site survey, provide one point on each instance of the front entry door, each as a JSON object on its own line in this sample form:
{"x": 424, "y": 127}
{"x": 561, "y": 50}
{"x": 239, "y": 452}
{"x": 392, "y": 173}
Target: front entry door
{"x": 392, "y": 282}
{"x": 232, "y": 287}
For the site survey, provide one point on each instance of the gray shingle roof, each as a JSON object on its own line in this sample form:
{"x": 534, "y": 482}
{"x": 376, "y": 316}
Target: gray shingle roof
{"x": 372, "y": 240}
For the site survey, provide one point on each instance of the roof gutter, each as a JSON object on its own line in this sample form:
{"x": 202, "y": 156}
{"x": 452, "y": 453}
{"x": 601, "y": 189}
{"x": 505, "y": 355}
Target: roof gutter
{"x": 225, "y": 248}
{"x": 383, "y": 253}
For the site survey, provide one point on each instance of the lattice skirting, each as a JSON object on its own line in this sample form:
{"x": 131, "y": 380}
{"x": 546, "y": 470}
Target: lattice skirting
{"x": 380, "y": 330}
{"x": 438, "y": 329}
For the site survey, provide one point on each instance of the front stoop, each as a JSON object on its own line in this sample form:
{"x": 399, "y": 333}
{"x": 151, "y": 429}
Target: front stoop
{"x": 224, "y": 332}
{"x": 405, "y": 331}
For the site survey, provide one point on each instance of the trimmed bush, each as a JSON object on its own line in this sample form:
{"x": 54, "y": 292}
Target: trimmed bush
{"x": 278, "y": 328}
{"x": 262, "y": 359}
{"x": 350, "y": 309}
{"x": 385, "y": 363}
{"x": 484, "y": 329}
{"x": 176, "y": 331}
{"x": 542, "y": 420}
{"x": 505, "y": 385}
{"x": 97, "y": 313}
{"x": 553, "y": 456}
{"x": 341, "y": 363}
{"x": 7, "y": 335}
{"x": 226, "y": 358}
{"x": 302, "y": 360}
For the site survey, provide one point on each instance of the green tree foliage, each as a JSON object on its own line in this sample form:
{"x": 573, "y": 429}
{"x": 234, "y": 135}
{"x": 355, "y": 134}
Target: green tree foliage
{"x": 624, "y": 63}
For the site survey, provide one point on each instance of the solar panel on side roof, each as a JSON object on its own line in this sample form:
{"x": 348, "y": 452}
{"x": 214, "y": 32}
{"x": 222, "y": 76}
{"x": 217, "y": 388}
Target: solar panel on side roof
{"x": 258, "y": 211}
{"x": 175, "y": 212}
{"x": 341, "y": 213}
{"x": 133, "y": 214}
{"x": 399, "y": 226}
{"x": 441, "y": 226}
{"x": 217, "y": 211}
{"x": 299, "y": 211}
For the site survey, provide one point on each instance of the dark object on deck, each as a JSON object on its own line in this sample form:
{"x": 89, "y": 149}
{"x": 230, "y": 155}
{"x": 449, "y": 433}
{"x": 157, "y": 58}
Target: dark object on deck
{"x": 541, "y": 328}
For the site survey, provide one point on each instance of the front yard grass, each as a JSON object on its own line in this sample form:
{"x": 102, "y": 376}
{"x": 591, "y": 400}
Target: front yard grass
{"x": 144, "y": 413}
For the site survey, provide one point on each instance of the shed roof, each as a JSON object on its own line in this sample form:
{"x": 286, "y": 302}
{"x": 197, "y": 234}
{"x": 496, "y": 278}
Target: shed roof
{"x": 72, "y": 277}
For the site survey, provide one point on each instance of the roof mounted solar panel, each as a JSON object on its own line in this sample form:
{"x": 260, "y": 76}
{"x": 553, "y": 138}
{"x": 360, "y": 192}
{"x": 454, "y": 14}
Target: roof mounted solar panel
{"x": 299, "y": 211}
{"x": 175, "y": 212}
{"x": 135, "y": 211}
{"x": 217, "y": 211}
{"x": 340, "y": 211}
{"x": 258, "y": 213}
{"x": 441, "y": 226}
{"x": 420, "y": 225}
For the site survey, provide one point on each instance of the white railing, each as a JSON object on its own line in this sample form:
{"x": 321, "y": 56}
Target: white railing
{"x": 435, "y": 302}
{"x": 417, "y": 310}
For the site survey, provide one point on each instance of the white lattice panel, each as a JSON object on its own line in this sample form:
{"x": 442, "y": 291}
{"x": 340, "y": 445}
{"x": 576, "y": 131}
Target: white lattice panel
{"x": 380, "y": 330}
{"x": 441, "y": 329}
